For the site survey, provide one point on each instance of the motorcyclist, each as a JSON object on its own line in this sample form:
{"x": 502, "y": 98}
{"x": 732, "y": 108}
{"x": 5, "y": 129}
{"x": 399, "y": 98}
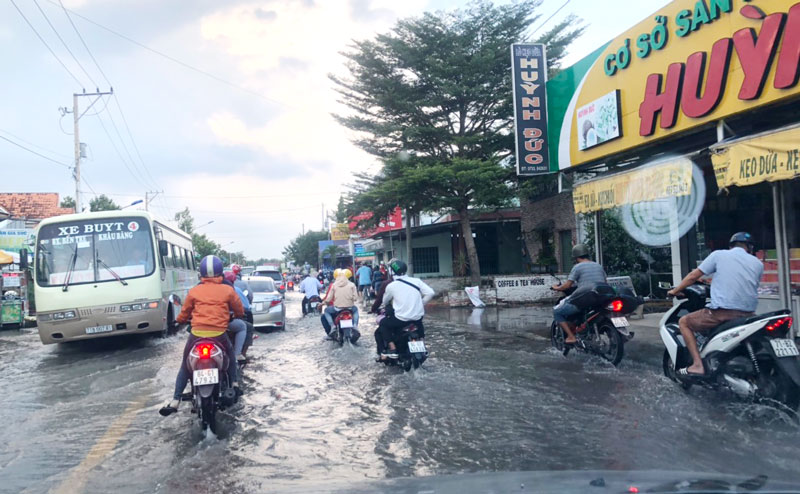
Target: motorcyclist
{"x": 241, "y": 284}
{"x": 341, "y": 295}
{"x": 378, "y": 277}
{"x": 239, "y": 327}
{"x": 208, "y": 306}
{"x": 408, "y": 297}
{"x": 310, "y": 287}
{"x": 737, "y": 274}
{"x": 380, "y": 291}
{"x": 586, "y": 275}
{"x": 364, "y": 277}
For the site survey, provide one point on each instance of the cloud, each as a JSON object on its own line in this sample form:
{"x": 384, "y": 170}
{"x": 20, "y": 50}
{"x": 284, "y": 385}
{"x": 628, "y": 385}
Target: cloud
{"x": 266, "y": 15}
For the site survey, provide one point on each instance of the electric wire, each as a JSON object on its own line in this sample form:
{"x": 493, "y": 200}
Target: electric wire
{"x": 34, "y": 152}
{"x": 58, "y": 35}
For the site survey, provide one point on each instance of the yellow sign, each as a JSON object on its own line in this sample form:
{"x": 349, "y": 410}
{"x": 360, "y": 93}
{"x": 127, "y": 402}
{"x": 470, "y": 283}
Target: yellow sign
{"x": 658, "y": 181}
{"x": 340, "y": 231}
{"x": 760, "y": 159}
{"x": 693, "y": 62}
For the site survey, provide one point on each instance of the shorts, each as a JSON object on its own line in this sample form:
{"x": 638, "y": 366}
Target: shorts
{"x": 563, "y": 312}
{"x": 707, "y": 319}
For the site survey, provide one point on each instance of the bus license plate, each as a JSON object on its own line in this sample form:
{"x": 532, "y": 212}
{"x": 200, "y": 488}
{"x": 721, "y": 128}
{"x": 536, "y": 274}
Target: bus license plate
{"x": 105, "y": 328}
{"x": 346, "y": 323}
{"x": 204, "y": 377}
{"x": 620, "y": 322}
{"x": 784, "y": 348}
{"x": 416, "y": 346}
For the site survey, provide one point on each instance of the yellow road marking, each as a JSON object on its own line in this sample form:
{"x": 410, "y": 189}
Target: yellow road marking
{"x": 76, "y": 481}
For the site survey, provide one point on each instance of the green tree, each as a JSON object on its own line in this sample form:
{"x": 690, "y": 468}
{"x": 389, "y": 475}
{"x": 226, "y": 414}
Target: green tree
{"x": 333, "y": 251}
{"x": 203, "y": 246}
{"x": 185, "y": 220}
{"x": 305, "y": 248}
{"x": 103, "y": 203}
{"x": 340, "y": 215}
{"x": 432, "y": 100}
{"x": 67, "y": 202}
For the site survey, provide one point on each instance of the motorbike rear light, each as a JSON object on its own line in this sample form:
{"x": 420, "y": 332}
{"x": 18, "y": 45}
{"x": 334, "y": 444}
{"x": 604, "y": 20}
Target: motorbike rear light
{"x": 204, "y": 350}
{"x": 784, "y": 323}
{"x": 346, "y": 315}
{"x": 616, "y": 305}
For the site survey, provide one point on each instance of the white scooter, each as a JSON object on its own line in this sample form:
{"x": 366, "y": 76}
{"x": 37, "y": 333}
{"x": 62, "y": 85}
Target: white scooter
{"x": 753, "y": 357}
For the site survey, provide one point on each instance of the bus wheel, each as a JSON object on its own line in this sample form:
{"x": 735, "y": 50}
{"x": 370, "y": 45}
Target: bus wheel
{"x": 170, "y": 323}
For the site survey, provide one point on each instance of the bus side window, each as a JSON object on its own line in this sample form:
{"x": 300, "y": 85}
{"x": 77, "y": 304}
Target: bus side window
{"x": 194, "y": 261}
{"x": 168, "y": 258}
{"x": 182, "y": 253}
{"x": 176, "y": 256}
{"x": 187, "y": 259}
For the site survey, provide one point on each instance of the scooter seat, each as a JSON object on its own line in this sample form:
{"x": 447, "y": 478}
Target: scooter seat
{"x": 746, "y": 320}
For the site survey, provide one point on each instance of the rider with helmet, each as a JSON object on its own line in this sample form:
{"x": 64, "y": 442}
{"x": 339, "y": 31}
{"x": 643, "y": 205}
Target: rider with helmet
{"x": 241, "y": 329}
{"x": 310, "y": 287}
{"x": 408, "y": 297}
{"x": 208, "y": 306}
{"x": 241, "y": 284}
{"x": 342, "y": 294}
{"x": 586, "y": 275}
{"x": 737, "y": 274}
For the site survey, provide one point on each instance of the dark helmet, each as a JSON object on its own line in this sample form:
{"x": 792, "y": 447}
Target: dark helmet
{"x": 580, "y": 250}
{"x": 211, "y": 267}
{"x": 743, "y": 238}
{"x": 398, "y": 267}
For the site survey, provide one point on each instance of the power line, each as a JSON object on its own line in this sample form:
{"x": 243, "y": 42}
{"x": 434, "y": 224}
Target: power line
{"x": 133, "y": 141}
{"x": 548, "y": 19}
{"x": 34, "y": 145}
{"x": 174, "y": 60}
{"x": 34, "y": 152}
{"x": 64, "y": 43}
{"x": 119, "y": 154}
{"x": 45, "y": 44}
{"x": 66, "y": 13}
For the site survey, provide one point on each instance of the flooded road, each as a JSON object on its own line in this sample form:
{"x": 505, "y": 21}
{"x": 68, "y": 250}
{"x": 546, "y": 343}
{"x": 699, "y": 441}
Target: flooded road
{"x": 492, "y": 397}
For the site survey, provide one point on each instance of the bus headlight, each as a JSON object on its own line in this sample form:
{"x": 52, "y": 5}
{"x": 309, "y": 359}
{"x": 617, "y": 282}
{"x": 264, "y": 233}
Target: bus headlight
{"x": 58, "y": 316}
{"x": 135, "y": 307}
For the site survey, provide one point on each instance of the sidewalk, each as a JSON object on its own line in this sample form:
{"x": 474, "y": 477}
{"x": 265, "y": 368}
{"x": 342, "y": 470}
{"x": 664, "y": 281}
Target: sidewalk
{"x": 646, "y": 330}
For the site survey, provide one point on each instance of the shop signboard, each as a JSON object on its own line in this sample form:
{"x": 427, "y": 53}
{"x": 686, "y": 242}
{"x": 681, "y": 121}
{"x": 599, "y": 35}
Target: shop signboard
{"x": 759, "y": 159}
{"x": 658, "y": 181}
{"x": 12, "y": 240}
{"x": 598, "y": 121}
{"x": 692, "y": 63}
{"x": 340, "y": 231}
{"x": 364, "y": 254}
{"x": 529, "y": 78}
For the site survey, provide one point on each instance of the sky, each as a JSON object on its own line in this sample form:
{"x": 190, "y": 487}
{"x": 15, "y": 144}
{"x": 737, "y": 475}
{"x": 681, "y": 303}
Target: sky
{"x": 230, "y": 118}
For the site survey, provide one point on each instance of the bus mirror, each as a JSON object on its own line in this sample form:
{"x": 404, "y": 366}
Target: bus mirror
{"x": 163, "y": 248}
{"x": 23, "y": 259}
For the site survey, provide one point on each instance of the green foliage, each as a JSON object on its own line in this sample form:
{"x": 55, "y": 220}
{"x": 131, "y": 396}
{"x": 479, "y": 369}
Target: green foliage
{"x": 305, "y": 248}
{"x": 103, "y": 203}
{"x": 67, "y": 202}
{"x": 185, "y": 220}
{"x": 333, "y": 251}
{"x": 203, "y": 246}
{"x": 340, "y": 215}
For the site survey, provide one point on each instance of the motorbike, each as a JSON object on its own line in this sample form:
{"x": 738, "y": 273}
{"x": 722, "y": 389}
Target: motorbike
{"x": 602, "y": 325}
{"x": 753, "y": 357}
{"x": 315, "y": 303}
{"x": 290, "y": 286}
{"x": 210, "y": 390}
{"x": 344, "y": 328}
{"x": 411, "y": 349}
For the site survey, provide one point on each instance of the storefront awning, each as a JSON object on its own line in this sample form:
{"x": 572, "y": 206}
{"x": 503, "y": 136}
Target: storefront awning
{"x": 669, "y": 178}
{"x": 763, "y": 158}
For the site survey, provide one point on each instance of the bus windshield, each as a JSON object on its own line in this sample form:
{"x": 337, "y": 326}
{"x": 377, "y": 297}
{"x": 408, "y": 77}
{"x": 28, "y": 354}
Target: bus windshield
{"x": 91, "y": 251}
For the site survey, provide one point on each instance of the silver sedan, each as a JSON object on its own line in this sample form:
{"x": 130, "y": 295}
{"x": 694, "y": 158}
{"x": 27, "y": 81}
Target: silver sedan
{"x": 268, "y": 307}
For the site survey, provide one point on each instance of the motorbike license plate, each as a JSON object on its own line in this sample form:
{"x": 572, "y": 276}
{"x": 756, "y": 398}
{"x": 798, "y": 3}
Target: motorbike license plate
{"x": 346, "y": 323}
{"x": 314, "y": 305}
{"x": 106, "y": 328}
{"x": 204, "y": 377}
{"x": 416, "y": 346}
{"x": 620, "y": 322}
{"x": 784, "y": 348}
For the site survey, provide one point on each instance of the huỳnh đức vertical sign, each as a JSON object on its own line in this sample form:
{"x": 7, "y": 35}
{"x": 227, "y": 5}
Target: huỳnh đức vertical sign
{"x": 529, "y": 77}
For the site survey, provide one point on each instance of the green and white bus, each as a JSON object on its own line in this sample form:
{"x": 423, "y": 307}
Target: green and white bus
{"x": 109, "y": 273}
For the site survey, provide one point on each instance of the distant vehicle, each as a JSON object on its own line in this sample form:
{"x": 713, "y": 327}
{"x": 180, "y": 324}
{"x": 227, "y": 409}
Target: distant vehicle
{"x": 268, "y": 307}
{"x": 273, "y": 274}
{"x": 248, "y": 270}
{"x": 109, "y": 273}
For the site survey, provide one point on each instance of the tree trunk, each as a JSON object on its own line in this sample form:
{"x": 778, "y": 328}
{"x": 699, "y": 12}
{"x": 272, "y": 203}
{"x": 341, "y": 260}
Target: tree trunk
{"x": 472, "y": 252}
{"x": 408, "y": 243}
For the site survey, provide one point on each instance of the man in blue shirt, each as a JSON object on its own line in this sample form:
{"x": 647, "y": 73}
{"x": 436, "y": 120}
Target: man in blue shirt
{"x": 734, "y": 294}
{"x": 364, "y": 276}
{"x": 310, "y": 286}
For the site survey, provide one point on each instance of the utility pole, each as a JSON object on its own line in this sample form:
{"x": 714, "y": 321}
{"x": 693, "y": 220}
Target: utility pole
{"x": 148, "y": 197}
{"x": 76, "y": 134}
{"x": 323, "y": 215}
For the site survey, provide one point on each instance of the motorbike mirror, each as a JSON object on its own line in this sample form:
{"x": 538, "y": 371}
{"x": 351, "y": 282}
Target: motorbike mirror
{"x": 23, "y": 259}
{"x": 163, "y": 248}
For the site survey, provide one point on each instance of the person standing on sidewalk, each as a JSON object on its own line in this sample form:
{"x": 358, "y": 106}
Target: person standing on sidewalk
{"x": 737, "y": 274}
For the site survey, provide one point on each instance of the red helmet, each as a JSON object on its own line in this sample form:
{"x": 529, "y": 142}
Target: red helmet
{"x": 230, "y": 276}
{"x": 237, "y": 270}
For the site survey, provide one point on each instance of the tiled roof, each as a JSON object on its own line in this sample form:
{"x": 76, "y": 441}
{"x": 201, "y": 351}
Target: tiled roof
{"x": 33, "y": 205}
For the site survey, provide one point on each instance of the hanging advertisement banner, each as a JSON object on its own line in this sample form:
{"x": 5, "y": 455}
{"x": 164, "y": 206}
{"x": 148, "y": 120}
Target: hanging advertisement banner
{"x": 761, "y": 159}
{"x": 529, "y": 76}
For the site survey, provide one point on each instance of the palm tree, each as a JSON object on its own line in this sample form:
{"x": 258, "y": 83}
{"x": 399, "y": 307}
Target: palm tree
{"x": 333, "y": 251}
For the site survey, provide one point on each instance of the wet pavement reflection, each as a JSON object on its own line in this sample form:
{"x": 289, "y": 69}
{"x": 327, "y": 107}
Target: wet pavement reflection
{"x": 493, "y": 396}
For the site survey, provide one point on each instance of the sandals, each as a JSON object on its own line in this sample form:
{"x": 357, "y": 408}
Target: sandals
{"x": 684, "y": 373}
{"x": 169, "y": 408}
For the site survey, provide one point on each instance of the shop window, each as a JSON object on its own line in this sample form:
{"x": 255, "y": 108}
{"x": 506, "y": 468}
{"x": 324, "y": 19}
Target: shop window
{"x": 565, "y": 245}
{"x": 425, "y": 259}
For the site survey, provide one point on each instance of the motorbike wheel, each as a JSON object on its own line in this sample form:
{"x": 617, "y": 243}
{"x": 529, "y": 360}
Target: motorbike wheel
{"x": 785, "y": 390}
{"x": 407, "y": 365}
{"x": 615, "y": 349}
{"x": 669, "y": 371}
{"x": 557, "y": 336}
{"x": 208, "y": 414}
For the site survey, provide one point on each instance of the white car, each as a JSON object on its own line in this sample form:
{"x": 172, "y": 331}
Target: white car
{"x": 268, "y": 307}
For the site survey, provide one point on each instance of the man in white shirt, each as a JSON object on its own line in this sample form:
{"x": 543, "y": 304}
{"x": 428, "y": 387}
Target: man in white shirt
{"x": 408, "y": 297}
{"x": 310, "y": 286}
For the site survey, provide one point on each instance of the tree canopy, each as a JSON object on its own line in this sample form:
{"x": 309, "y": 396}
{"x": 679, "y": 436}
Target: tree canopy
{"x": 305, "y": 247}
{"x": 102, "y": 203}
{"x": 67, "y": 202}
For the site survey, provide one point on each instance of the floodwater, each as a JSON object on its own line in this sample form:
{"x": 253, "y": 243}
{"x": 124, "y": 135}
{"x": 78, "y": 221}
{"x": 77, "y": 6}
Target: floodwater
{"x": 493, "y": 397}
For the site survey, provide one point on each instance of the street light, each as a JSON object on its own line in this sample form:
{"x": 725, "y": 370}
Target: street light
{"x": 204, "y": 224}
{"x": 133, "y": 204}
